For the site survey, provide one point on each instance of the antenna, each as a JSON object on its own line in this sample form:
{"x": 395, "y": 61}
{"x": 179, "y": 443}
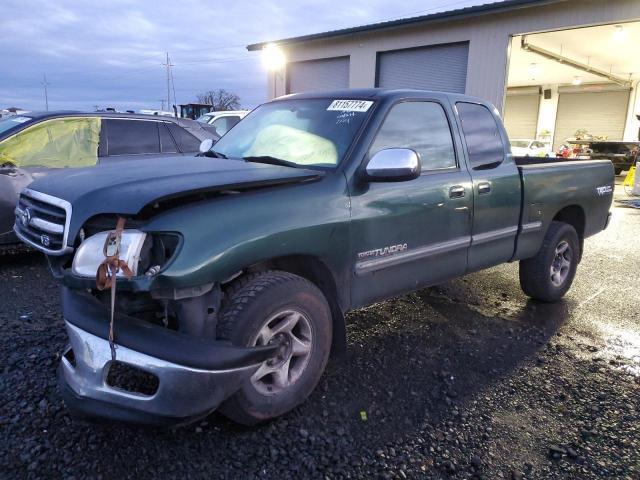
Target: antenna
{"x": 45, "y": 84}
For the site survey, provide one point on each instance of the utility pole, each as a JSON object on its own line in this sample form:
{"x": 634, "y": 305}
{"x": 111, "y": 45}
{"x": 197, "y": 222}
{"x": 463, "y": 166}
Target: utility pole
{"x": 45, "y": 84}
{"x": 168, "y": 65}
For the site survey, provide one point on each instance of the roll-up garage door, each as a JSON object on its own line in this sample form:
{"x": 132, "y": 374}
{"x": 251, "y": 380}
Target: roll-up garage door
{"x": 314, "y": 75}
{"x": 600, "y": 113}
{"x": 438, "y": 67}
{"x": 521, "y": 113}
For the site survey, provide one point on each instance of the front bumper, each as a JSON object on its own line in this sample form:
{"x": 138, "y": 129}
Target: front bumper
{"x": 194, "y": 376}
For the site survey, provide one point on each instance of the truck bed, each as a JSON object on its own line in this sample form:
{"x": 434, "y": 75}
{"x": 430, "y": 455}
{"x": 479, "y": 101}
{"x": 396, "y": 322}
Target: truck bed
{"x": 583, "y": 188}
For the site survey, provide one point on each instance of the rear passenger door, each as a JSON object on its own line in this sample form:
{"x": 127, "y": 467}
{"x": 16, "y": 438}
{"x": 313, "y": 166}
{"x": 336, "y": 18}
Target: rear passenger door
{"x": 496, "y": 187}
{"x": 410, "y": 234}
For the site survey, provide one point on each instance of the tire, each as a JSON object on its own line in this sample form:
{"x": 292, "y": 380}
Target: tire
{"x": 298, "y": 309}
{"x": 548, "y": 275}
{"x": 617, "y": 170}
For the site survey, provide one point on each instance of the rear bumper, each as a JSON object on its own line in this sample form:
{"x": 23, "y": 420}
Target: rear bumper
{"x": 190, "y": 384}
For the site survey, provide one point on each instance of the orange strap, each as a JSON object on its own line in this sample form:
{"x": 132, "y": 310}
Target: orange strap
{"x": 112, "y": 264}
{"x": 107, "y": 271}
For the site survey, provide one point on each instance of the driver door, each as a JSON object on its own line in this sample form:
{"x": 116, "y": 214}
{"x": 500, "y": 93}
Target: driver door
{"x": 408, "y": 235}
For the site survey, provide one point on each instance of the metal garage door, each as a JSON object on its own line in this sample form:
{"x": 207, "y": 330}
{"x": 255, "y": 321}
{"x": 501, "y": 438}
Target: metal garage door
{"x": 601, "y": 112}
{"x": 439, "y": 67}
{"x": 314, "y": 75}
{"x": 521, "y": 112}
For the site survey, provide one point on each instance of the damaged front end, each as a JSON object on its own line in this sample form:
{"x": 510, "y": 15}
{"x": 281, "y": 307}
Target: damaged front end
{"x": 167, "y": 367}
{"x": 172, "y": 379}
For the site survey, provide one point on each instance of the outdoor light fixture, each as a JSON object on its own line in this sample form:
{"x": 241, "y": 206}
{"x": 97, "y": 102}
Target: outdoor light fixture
{"x": 619, "y": 32}
{"x": 533, "y": 70}
{"x": 273, "y": 57}
{"x": 577, "y": 80}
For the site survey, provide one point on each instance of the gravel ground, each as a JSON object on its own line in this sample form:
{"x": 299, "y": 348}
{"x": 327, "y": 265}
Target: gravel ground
{"x": 465, "y": 380}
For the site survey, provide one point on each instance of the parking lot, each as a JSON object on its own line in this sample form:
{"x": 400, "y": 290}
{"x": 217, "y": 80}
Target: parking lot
{"x": 465, "y": 380}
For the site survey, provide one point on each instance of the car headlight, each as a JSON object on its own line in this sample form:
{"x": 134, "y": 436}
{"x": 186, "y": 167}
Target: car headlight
{"x": 90, "y": 253}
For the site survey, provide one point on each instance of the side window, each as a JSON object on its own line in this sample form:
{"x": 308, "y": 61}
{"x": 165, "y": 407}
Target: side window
{"x": 481, "y": 135}
{"x": 420, "y": 126}
{"x": 57, "y": 143}
{"x": 186, "y": 142}
{"x": 132, "y": 137}
{"x": 167, "y": 145}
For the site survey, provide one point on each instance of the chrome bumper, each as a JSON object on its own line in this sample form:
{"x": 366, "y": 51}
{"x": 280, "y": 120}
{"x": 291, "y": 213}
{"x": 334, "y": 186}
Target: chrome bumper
{"x": 184, "y": 393}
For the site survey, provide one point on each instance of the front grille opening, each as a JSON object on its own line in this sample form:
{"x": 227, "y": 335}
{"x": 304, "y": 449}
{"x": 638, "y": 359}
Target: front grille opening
{"x": 41, "y": 222}
{"x": 70, "y": 356}
{"x": 131, "y": 379}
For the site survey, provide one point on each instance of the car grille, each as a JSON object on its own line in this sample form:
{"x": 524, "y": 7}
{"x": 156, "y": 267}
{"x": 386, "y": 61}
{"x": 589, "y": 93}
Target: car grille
{"x": 42, "y": 221}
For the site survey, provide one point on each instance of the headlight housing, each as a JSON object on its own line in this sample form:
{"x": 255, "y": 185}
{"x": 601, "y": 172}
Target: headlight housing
{"x": 90, "y": 254}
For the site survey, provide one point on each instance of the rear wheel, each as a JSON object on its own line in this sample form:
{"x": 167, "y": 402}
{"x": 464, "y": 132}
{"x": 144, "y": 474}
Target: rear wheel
{"x": 277, "y": 308}
{"x": 549, "y": 274}
{"x": 617, "y": 170}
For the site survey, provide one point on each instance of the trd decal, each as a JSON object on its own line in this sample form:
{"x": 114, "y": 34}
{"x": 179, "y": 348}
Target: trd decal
{"x": 604, "y": 190}
{"x": 381, "y": 252}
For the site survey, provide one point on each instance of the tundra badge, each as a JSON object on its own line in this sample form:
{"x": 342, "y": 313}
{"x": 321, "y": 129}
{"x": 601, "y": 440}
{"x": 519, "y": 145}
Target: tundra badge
{"x": 381, "y": 252}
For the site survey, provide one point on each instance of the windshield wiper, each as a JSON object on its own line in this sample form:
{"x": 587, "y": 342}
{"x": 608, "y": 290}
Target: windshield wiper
{"x": 268, "y": 159}
{"x": 213, "y": 153}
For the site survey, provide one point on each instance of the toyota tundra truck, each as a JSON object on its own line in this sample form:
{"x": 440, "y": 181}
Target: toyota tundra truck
{"x": 234, "y": 270}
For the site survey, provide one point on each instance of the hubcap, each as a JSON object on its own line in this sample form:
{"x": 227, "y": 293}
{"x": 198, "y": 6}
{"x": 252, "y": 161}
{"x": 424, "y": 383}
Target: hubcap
{"x": 291, "y": 331}
{"x": 561, "y": 263}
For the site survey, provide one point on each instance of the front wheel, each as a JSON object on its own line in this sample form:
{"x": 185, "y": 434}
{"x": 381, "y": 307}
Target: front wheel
{"x": 278, "y": 308}
{"x": 549, "y": 274}
{"x": 617, "y": 170}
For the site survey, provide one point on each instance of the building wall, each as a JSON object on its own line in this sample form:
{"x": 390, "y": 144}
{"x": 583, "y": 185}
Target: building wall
{"x": 488, "y": 37}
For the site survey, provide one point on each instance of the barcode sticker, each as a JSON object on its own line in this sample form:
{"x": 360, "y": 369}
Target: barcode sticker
{"x": 349, "y": 105}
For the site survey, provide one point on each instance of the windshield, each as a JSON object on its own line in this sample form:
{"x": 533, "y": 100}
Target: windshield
{"x": 310, "y": 132}
{"x": 12, "y": 122}
{"x": 520, "y": 143}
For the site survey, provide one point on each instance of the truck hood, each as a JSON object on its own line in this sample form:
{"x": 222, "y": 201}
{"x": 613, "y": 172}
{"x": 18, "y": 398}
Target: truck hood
{"x": 127, "y": 187}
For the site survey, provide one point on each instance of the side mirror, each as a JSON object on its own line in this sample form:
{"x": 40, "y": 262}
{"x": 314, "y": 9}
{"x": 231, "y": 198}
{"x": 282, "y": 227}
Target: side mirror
{"x": 393, "y": 165}
{"x": 205, "y": 146}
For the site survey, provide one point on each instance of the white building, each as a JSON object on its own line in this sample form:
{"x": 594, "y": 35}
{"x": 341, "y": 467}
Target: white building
{"x": 551, "y": 66}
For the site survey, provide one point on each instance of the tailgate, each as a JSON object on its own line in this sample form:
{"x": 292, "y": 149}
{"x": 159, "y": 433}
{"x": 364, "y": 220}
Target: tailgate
{"x": 585, "y": 186}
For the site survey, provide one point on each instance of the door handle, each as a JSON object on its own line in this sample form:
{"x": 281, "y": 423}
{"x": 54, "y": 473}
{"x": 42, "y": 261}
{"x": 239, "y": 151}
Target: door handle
{"x": 484, "y": 188}
{"x": 457, "y": 191}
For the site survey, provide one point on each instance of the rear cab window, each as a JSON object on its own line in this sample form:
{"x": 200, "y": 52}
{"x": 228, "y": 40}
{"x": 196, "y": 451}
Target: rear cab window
{"x": 482, "y": 136}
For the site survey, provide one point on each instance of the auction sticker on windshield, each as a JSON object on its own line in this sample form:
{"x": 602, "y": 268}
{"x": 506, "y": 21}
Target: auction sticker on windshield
{"x": 350, "y": 105}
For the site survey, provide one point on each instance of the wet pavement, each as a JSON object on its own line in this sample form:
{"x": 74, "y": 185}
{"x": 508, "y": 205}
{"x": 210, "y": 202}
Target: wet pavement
{"x": 469, "y": 379}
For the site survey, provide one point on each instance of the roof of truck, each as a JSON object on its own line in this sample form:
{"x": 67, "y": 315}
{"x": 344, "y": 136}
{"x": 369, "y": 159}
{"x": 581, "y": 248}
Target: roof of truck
{"x": 381, "y": 94}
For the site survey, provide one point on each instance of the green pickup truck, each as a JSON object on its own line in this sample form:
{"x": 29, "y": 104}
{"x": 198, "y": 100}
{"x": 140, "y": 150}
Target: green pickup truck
{"x": 242, "y": 262}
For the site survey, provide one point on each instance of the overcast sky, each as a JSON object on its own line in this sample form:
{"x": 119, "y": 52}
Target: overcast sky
{"x": 111, "y": 53}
